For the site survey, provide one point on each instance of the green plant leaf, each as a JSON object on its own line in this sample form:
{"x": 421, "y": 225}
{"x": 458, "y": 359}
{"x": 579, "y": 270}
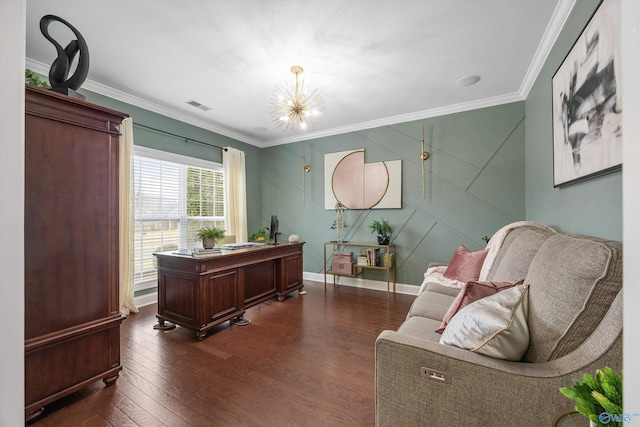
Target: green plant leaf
{"x": 568, "y": 392}
{"x": 606, "y": 404}
{"x": 592, "y": 383}
{"x": 33, "y": 79}
{"x": 596, "y": 394}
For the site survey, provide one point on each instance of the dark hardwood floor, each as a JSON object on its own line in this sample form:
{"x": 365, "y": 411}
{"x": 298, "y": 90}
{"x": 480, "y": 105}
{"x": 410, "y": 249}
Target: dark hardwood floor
{"x": 308, "y": 361}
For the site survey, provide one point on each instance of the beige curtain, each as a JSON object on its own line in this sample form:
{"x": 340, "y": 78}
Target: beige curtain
{"x": 126, "y": 222}
{"x": 235, "y": 193}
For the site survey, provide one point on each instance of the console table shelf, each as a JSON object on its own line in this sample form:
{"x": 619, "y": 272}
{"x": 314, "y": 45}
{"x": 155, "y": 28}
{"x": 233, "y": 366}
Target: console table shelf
{"x": 389, "y": 267}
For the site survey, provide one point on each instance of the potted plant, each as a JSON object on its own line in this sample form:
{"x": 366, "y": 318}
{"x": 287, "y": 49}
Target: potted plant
{"x": 383, "y": 229}
{"x": 598, "y": 397}
{"x": 260, "y": 235}
{"x": 33, "y": 79}
{"x": 210, "y": 236}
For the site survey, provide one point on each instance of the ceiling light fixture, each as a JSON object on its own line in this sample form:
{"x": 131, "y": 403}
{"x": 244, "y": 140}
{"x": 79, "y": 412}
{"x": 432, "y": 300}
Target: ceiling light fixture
{"x": 295, "y": 106}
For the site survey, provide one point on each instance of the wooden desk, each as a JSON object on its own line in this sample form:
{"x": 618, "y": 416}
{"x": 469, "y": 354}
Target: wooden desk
{"x": 199, "y": 293}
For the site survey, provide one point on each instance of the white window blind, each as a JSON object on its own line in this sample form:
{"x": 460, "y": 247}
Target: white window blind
{"x": 173, "y": 197}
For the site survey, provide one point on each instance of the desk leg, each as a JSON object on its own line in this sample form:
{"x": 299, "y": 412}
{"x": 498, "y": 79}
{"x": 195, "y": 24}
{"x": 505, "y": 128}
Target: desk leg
{"x": 162, "y": 326}
{"x": 240, "y": 321}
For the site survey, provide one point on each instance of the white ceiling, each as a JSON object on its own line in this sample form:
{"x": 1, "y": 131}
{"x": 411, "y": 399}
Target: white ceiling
{"x": 376, "y": 62}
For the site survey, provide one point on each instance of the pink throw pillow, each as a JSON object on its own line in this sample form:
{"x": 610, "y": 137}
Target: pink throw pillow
{"x": 465, "y": 265}
{"x": 473, "y": 291}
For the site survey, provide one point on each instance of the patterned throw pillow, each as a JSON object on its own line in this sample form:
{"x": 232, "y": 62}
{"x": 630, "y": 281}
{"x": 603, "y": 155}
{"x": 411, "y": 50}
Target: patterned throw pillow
{"x": 473, "y": 291}
{"x": 495, "y": 326}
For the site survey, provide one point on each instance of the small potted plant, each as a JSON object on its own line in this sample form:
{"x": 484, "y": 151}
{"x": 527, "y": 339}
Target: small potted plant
{"x": 210, "y": 236}
{"x": 383, "y": 229}
{"x": 33, "y": 79}
{"x": 260, "y": 235}
{"x": 598, "y": 397}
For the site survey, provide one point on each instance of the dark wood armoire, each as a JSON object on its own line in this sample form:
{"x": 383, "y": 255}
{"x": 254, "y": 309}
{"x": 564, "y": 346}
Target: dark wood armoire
{"x": 72, "y": 319}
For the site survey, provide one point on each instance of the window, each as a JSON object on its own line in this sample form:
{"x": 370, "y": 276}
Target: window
{"x": 173, "y": 196}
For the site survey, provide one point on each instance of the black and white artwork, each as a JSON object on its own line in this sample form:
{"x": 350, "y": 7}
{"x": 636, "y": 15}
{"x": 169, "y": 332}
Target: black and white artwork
{"x": 587, "y": 109}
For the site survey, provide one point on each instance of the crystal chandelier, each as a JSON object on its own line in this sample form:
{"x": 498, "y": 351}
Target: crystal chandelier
{"x": 295, "y": 106}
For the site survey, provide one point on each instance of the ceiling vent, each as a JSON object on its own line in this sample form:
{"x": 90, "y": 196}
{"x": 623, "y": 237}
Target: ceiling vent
{"x": 196, "y": 104}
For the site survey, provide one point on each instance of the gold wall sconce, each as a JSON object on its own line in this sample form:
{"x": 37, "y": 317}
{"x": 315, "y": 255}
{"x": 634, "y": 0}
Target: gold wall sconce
{"x": 424, "y": 155}
{"x": 306, "y": 168}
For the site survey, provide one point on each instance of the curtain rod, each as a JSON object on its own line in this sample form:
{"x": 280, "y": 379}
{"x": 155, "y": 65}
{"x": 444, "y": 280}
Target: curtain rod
{"x": 179, "y": 136}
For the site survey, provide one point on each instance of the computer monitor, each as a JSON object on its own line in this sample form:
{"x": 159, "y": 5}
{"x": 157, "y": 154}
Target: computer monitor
{"x": 273, "y": 231}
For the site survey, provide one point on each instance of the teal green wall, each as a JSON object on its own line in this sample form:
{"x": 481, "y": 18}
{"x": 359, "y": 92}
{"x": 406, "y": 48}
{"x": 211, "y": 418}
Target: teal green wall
{"x": 159, "y": 141}
{"x": 591, "y": 207}
{"x": 475, "y": 185}
{"x": 475, "y": 181}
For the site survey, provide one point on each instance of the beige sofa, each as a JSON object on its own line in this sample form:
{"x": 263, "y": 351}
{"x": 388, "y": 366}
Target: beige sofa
{"x": 575, "y": 327}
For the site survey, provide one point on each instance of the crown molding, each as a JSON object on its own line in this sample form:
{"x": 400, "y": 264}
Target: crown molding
{"x": 137, "y": 101}
{"x": 558, "y": 19}
{"x": 419, "y": 115}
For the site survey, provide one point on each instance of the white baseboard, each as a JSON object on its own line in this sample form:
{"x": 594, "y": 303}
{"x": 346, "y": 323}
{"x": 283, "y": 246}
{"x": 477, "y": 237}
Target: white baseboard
{"x": 356, "y": 282}
{"x": 145, "y": 299}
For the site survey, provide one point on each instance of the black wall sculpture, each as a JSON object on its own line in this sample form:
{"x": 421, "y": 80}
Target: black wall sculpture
{"x": 62, "y": 64}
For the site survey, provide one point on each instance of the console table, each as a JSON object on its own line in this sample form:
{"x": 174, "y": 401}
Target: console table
{"x": 389, "y": 267}
{"x": 200, "y": 292}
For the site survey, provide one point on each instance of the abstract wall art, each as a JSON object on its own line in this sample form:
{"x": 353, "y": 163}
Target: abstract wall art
{"x": 587, "y": 111}
{"x": 355, "y": 184}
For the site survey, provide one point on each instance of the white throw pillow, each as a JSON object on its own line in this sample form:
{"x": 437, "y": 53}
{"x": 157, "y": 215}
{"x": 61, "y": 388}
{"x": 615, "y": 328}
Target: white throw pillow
{"x": 495, "y": 326}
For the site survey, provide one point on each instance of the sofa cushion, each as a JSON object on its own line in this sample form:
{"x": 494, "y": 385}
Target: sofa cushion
{"x": 574, "y": 280}
{"x": 465, "y": 265}
{"x": 495, "y": 326}
{"x": 420, "y": 327}
{"x": 433, "y": 302}
{"x": 517, "y": 252}
{"x": 473, "y": 291}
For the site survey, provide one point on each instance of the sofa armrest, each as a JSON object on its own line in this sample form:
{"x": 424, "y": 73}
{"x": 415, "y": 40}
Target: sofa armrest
{"x": 481, "y": 390}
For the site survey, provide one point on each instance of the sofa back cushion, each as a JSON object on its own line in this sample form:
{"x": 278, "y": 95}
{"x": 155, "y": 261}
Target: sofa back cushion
{"x": 573, "y": 281}
{"x": 516, "y": 253}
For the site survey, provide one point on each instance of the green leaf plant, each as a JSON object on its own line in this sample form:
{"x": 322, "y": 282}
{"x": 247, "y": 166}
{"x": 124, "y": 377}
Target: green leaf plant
{"x": 381, "y": 227}
{"x": 595, "y": 395}
{"x": 33, "y": 79}
{"x": 210, "y": 232}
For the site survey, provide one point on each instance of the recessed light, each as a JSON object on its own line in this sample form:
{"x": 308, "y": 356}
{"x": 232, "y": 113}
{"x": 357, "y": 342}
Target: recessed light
{"x": 468, "y": 80}
{"x": 260, "y": 129}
